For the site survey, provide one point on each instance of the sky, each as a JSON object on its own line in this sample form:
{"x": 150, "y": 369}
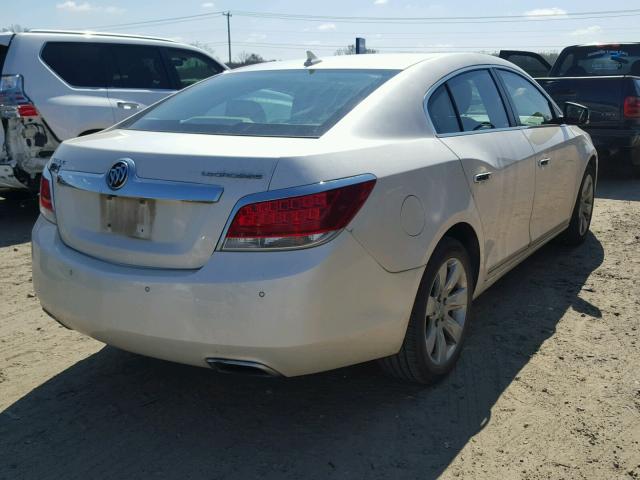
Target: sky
{"x": 425, "y": 26}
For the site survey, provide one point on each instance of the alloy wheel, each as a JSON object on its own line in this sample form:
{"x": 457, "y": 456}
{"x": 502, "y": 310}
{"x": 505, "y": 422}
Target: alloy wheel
{"x": 446, "y": 311}
{"x": 585, "y": 209}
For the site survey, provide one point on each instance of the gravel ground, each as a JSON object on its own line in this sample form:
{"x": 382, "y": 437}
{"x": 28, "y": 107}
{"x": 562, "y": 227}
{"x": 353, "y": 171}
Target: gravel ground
{"x": 548, "y": 386}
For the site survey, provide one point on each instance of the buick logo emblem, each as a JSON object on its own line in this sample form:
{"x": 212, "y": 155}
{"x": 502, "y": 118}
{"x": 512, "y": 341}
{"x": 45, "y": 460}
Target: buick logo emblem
{"x": 117, "y": 175}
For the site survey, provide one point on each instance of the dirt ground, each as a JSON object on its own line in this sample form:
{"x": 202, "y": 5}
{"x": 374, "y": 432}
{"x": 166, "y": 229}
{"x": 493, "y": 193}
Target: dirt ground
{"x": 548, "y": 386}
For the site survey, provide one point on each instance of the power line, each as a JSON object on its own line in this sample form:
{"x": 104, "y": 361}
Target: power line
{"x": 161, "y": 21}
{"x": 324, "y": 45}
{"x": 564, "y": 16}
{"x": 351, "y": 33}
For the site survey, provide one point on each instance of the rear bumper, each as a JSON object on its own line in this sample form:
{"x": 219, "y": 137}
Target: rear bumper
{"x": 613, "y": 142}
{"x": 296, "y": 312}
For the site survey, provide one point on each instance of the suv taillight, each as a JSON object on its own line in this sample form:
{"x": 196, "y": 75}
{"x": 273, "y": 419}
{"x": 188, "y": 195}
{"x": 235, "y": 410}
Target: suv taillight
{"x": 14, "y": 103}
{"x": 296, "y": 222}
{"x": 632, "y": 107}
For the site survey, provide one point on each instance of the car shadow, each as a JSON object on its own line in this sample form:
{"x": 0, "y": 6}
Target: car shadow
{"x": 119, "y": 415}
{"x": 18, "y": 213}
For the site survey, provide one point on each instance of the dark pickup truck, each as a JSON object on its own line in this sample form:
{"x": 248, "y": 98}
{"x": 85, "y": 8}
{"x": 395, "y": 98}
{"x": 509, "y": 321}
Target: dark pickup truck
{"x": 604, "y": 78}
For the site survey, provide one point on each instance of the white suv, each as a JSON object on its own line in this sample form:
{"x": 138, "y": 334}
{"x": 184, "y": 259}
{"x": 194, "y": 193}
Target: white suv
{"x": 58, "y": 85}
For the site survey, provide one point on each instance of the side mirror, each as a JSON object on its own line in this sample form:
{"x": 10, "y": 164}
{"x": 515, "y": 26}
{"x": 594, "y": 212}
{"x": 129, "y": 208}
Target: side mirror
{"x": 575, "y": 114}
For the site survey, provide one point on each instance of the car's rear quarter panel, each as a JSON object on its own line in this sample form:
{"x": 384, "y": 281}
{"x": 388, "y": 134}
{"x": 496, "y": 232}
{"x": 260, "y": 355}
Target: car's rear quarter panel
{"x": 425, "y": 168}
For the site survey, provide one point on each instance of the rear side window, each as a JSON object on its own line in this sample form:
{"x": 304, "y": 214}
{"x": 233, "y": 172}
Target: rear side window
{"x": 284, "y": 103}
{"x": 139, "y": 67}
{"x": 598, "y": 60}
{"x": 191, "y": 67}
{"x": 478, "y": 102}
{"x": 532, "y": 108}
{"x": 442, "y": 112}
{"x": 79, "y": 64}
{"x": 529, "y": 64}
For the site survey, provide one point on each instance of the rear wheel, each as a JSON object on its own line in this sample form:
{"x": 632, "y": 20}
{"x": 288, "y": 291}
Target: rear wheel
{"x": 439, "y": 318}
{"x": 580, "y": 222}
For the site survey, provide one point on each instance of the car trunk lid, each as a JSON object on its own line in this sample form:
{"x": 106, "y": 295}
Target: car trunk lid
{"x": 174, "y": 203}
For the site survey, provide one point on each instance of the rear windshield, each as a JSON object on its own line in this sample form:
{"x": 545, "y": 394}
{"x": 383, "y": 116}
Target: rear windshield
{"x": 598, "y": 60}
{"x": 282, "y": 103}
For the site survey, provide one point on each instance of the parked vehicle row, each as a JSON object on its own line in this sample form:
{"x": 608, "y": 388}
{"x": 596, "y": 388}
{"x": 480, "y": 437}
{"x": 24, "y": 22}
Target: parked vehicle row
{"x": 606, "y": 79}
{"x": 59, "y": 85}
{"x": 294, "y": 217}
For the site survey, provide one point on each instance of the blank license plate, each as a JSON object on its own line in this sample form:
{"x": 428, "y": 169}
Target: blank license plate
{"x": 132, "y": 217}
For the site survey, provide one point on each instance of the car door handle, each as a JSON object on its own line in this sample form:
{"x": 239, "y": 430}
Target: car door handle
{"x": 128, "y": 105}
{"x": 482, "y": 177}
{"x": 543, "y": 162}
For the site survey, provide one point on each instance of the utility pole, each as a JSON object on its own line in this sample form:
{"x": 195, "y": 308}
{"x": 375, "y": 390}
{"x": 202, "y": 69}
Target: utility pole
{"x": 228, "y": 15}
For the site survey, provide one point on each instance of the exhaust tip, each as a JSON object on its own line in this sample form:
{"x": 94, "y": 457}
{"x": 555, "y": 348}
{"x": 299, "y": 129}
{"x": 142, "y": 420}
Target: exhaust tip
{"x": 241, "y": 367}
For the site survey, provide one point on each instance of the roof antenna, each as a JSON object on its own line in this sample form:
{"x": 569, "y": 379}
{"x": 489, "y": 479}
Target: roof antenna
{"x": 312, "y": 59}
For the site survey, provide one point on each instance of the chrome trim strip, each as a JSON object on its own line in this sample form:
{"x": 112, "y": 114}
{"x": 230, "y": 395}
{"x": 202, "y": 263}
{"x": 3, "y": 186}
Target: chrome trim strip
{"x": 489, "y": 66}
{"x": 286, "y": 193}
{"x": 137, "y": 187}
{"x": 92, "y": 182}
{"x": 480, "y": 132}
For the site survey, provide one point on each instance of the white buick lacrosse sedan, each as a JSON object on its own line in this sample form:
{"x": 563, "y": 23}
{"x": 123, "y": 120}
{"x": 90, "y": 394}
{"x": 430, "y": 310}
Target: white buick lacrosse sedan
{"x": 294, "y": 217}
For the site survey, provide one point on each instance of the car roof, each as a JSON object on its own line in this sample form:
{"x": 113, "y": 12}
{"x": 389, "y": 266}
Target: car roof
{"x": 93, "y": 34}
{"x": 375, "y": 61}
{"x": 392, "y": 61}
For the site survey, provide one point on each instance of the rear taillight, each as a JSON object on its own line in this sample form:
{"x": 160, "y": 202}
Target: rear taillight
{"x": 14, "y": 103}
{"x": 296, "y": 222}
{"x": 632, "y": 107}
{"x": 46, "y": 199}
{"x": 27, "y": 110}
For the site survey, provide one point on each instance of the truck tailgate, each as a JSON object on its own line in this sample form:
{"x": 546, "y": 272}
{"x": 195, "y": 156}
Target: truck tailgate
{"x": 603, "y": 95}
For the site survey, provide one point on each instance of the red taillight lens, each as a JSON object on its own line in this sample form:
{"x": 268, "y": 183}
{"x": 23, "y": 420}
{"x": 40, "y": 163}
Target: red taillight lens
{"x": 632, "y": 107}
{"x": 27, "y": 110}
{"x": 296, "y": 221}
{"x": 14, "y": 103}
{"x": 46, "y": 201}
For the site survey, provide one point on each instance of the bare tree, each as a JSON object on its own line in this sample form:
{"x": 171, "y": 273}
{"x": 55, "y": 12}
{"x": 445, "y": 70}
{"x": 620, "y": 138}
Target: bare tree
{"x": 204, "y": 46}
{"x": 247, "y": 58}
{"x": 351, "y": 50}
{"x": 15, "y": 28}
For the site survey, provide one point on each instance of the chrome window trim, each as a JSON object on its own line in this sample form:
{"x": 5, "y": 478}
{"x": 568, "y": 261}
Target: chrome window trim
{"x": 554, "y": 107}
{"x": 479, "y": 132}
{"x": 137, "y": 187}
{"x": 298, "y": 191}
{"x": 449, "y": 76}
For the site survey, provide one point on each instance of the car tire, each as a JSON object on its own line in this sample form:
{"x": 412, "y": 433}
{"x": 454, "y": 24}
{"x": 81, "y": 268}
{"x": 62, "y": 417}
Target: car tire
{"x": 432, "y": 343}
{"x": 580, "y": 222}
